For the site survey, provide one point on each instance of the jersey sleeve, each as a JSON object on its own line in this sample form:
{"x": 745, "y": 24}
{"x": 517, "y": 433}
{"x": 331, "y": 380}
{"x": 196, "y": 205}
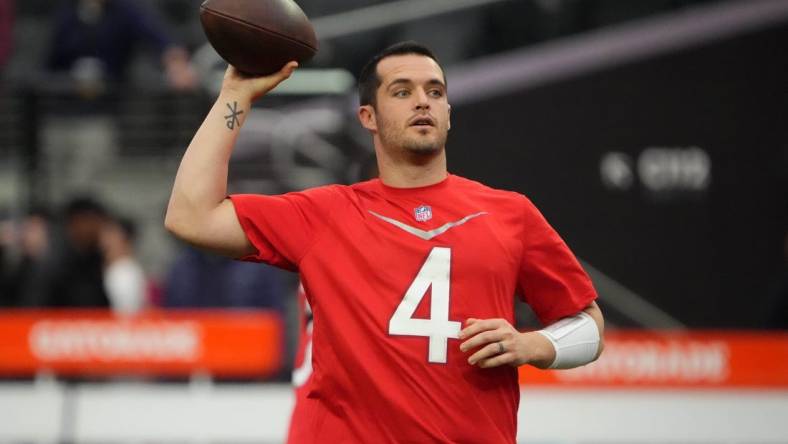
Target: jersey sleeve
{"x": 283, "y": 228}
{"x": 551, "y": 279}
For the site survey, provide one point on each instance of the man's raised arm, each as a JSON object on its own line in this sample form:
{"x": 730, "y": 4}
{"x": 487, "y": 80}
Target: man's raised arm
{"x": 199, "y": 212}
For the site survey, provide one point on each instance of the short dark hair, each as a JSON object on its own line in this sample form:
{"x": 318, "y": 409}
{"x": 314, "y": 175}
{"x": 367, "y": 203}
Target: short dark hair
{"x": 84, "y": 205}
{"x": 126, "y": 226}
{"x": 368, "y": 80}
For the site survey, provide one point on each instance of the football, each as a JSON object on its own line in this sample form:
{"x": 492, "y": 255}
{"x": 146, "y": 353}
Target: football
{"x": 258, "y": 37}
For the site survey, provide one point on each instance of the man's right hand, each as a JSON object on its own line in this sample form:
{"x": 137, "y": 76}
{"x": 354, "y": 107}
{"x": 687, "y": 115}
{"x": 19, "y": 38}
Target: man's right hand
{"x": 199, "y": 211}
{"x": 249, "y": 87}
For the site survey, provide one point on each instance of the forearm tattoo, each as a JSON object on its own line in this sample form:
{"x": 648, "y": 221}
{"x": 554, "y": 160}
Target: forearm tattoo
{"x": 232, "y": 118}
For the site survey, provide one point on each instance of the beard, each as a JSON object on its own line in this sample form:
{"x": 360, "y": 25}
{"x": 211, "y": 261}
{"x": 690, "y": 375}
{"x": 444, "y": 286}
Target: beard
{"x": 413, "y": 142}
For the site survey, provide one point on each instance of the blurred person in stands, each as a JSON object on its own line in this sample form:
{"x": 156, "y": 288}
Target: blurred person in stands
{"x": 79, "y": 264}
{"x": 124, "y": 279}
{"x": 198, "y": 279}
{"x": 26, "y": 256}
{"x": 6, "y": 28}
{"x": 6, "y": 242}
{"x": 93, "y": 46}
{"x": 96, "y": 40}
{"x": 777, "y": 317}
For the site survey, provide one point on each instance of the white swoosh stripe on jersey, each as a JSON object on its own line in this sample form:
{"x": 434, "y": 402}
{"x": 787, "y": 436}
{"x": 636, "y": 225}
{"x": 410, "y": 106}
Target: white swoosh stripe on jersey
{"x": 426, "y": 235}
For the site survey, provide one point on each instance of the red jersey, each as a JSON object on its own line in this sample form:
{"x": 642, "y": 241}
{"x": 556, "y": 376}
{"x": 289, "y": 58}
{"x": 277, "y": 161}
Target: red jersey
{"x": 391, "y": 274}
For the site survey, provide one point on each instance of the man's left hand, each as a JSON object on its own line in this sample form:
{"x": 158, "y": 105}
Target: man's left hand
{"x": 496, "y": 342}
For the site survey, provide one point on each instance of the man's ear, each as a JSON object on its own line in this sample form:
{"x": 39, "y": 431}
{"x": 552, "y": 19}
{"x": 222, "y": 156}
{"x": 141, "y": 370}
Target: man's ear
{"x": 449, "y": 117}
{"x": 366, "y": 115}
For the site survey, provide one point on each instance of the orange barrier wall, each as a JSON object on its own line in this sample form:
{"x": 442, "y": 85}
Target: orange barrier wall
{"x": 225, "y": 343}
{"x": 694, "y": 359}
{"x": 249, "y": 343}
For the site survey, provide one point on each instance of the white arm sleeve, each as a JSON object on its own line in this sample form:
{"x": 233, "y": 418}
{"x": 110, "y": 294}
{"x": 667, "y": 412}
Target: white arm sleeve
{"x": 575, "y": 339}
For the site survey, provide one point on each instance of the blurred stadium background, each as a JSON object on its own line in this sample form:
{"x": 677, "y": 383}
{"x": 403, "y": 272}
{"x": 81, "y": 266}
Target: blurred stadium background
{"x": 653, "y": 134}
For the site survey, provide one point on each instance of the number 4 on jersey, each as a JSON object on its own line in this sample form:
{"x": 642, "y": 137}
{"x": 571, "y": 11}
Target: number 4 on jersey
{"x": 435, "y": 272}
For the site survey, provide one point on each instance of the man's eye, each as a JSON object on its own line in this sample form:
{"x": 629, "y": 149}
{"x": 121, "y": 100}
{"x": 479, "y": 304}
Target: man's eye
{"x": 401, "y": 93}
{"x": 436, "y": 93}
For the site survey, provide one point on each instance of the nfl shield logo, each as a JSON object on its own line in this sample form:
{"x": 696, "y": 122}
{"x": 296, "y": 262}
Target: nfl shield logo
{"x": 423, "y": 213}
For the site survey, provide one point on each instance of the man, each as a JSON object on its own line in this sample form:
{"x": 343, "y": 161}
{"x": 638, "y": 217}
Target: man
{"x": 394, "y": 267}
{"x": 199, "y": 279}
{"x": 78, "y": 279}
{"x": 102, "y": 36}
{"x": 27, "y": 281}
{"x": 6, "y": 30}
{"x": 125, "y": 282}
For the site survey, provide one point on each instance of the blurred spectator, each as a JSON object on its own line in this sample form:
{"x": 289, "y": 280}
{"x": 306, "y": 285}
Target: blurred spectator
{"x": 198, "y": 279}
{"x": 78, "y": 280}
{"x": 93, "y": 45}
{"x": 6, "y": 240}
{"x": 26, "y": 278}
{"x": 124, "y": 279}
{"x": 95, "y": 40}
{"x": 778, "y": 297}
{"x": 6, "y": 28}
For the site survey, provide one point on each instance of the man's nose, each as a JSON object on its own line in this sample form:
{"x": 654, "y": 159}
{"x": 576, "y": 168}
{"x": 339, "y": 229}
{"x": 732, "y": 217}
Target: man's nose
{"x": 422, "y": 101}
